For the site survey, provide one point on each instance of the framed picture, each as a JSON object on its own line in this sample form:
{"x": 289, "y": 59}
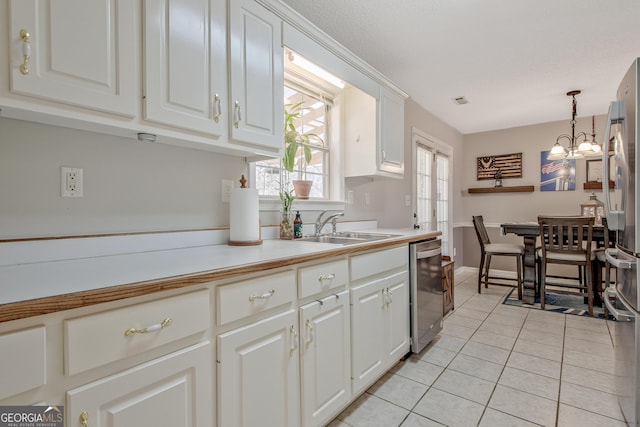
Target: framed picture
{"x": 505, "y": 165}
{"x": 557, "y": 175}
{"x": 594, "y": 170}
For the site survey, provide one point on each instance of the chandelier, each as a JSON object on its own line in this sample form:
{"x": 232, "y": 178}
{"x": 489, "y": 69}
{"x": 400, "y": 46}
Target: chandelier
{"x": 575, "y": 150}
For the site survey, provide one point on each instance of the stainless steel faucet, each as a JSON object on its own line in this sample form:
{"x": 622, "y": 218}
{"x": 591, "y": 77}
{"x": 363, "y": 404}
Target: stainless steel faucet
{"x": 320, "y": 222}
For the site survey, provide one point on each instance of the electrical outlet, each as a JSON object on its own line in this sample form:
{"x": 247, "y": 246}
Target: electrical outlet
{"x": 70, "y": 182}
{"x": 227, "y": 186}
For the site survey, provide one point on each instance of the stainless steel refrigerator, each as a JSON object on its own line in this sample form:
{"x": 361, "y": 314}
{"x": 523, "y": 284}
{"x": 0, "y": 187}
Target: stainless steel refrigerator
{"x": 620, "y": 160}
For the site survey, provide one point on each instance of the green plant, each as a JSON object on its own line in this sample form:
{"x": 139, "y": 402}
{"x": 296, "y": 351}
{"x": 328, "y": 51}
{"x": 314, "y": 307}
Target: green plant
{"x": 287, "y": 198}
{"x": 294, "y": 140}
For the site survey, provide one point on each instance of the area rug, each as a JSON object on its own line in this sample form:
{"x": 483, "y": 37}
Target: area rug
{"x": 557, "y": 303}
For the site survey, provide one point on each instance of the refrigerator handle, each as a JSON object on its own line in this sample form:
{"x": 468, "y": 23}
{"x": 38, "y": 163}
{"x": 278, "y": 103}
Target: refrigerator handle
{"x": 618, "y": 315}
{"x": 616, "y": 115}
{"x": 611, "y": 253}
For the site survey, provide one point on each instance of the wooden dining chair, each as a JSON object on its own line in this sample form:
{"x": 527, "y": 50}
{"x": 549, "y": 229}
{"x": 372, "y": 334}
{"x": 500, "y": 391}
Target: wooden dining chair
{"x": 488, "y": 250}
{"x": 566, "y": 240}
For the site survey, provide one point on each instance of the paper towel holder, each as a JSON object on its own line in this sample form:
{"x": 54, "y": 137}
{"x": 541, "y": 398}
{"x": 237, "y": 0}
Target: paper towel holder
{"x": 243, "y": 183}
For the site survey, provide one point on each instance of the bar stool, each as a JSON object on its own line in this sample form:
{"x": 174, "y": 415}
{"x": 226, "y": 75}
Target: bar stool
{"x": 488, "y": 250}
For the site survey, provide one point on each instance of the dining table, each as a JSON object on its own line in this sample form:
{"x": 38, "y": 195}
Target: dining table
{"x": 530, "y": 231}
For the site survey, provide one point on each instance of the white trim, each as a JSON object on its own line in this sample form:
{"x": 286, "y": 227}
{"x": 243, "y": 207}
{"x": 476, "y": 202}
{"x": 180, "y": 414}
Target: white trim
{"x": 274, "y": 205}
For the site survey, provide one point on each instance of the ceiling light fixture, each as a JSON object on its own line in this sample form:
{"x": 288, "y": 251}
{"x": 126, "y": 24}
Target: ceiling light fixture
{"x": 315, "y": 70}
{"x": 575, "y": 150}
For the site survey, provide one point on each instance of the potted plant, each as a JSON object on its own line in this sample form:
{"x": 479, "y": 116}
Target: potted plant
{"x": 286, "y": 221}
{"x": 297, "y": 145}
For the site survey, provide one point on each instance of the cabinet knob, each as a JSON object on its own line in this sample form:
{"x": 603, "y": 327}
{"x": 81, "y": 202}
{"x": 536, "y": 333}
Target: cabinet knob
{"x": 326, "y": 277}
{"x": 266, "y": 295}
{"x": 153, "y": 328}
{"x": 293, "y": 335}
{"x": 237, "y": 115}
{"x": 26, "y": 51}
{"x": 84, "y": 419}
{"x": 309, "y": 332}
{"x": 217, "y": 108}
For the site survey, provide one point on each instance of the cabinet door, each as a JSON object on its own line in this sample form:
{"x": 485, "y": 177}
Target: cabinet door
{"x": 175, "y": 390}
{"x": 258, "y": 373}
{"x": 185, "y": 64}
{"x": 368, "y": 351}
{"x": 325, "y": 358}
{"x": 256, "y": 76}
{"x": 81, "y": 52}
{"x": 391, "y": 134}
{"x": 397, "y": 316}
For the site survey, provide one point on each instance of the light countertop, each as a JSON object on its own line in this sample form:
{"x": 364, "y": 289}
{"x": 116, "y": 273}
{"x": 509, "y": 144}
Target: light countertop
{"x": 42, "y": 277}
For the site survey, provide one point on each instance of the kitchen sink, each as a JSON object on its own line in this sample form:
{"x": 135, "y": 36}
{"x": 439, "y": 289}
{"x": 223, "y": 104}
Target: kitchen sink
{"x": 364, "y": 236}
{"x": 347, "y": 237}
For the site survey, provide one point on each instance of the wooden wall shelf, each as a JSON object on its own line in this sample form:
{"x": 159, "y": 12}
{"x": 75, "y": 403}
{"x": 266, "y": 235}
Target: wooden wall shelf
{"x": 596, "y": 185}
{"x": 515, "y": 189}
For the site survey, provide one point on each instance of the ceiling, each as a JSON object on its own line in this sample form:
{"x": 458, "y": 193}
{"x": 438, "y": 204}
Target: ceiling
{"x": 514, "y": 61}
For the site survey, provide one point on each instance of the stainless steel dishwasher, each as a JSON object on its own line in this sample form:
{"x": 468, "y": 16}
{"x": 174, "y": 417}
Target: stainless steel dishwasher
{"x": 425, "y": 261}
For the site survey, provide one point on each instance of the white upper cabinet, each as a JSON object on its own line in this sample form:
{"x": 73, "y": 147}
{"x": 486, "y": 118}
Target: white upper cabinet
{"x": 374, "y": 133}
{"x": 185, "y": 64}
{"x": 391, "y": 132}
{"x": 256, "y": 76}
{"x": 75, "y": 52}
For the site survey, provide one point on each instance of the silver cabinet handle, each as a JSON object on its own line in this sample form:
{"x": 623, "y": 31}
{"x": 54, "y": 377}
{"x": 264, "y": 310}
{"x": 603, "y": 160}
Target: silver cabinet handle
{"x": 309, "y": 332}
{"x": 153, "y": 328}
{"x": 326, "y": 277}
{"x": 26, "y": 51}
{"x": 266, "y": 295}
{"x": 294, "y": 339}
{"x": 84, "y": 419}
{"x": 217, "y": 108}
{"x": 237, "y": 115}
{"x": 384, "y": 156}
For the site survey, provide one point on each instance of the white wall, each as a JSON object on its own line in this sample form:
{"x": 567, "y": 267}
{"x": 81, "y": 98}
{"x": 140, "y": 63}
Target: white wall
{"x": 128, "y": 185}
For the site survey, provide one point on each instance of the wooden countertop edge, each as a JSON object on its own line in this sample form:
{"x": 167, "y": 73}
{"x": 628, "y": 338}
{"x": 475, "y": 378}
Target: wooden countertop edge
{"x": 52, "y": 304}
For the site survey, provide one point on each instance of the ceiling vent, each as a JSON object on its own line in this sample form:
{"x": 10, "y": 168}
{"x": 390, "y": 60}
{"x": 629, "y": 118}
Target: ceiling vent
{"x": 460, "y": 100}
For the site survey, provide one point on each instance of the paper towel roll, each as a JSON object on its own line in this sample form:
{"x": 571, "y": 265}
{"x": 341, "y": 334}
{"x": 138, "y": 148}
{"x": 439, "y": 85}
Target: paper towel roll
{"x": 244, "y": 216}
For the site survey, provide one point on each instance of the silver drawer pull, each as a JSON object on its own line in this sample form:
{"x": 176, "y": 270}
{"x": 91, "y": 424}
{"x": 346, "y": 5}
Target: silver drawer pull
{"x": 266, "y": 295}
{"x": 294, "y": 339}
{"x": 326, "y": 277}
{"x": 153, "y": 328}
{"x": 217, "y": 108}
{"x": 309, "y": 332}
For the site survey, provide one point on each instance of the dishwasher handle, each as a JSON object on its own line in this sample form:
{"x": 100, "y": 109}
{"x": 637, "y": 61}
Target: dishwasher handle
{"x": 428, "y": 254}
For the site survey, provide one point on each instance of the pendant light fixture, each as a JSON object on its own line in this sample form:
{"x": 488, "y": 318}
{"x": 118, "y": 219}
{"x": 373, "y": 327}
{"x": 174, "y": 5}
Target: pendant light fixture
{"x": 575, "y": 150}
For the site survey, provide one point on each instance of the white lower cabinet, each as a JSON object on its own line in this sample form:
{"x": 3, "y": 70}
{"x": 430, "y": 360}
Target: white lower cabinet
{"x": 174, "y": 390}
{"x": 379, "y": 327}
{"x": 325, "y": 362}
{"x": 258, "y": 376}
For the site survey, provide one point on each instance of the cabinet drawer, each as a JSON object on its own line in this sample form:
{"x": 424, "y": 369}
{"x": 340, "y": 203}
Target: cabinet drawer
{"x": 322, "y": 277}
{"x": 95, "y": 340}
{"x": 22, "y": 361}
{"x": 242, "y": 299}
{"x": 378, "y": 262}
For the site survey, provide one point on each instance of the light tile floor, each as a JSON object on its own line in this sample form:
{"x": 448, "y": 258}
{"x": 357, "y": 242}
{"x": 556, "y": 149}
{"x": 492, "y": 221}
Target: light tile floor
{"x": 496, "y": 365}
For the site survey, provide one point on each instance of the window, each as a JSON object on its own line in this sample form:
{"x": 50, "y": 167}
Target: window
{"x": 432, "y": 184}
{"x": 314, "y": 116}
